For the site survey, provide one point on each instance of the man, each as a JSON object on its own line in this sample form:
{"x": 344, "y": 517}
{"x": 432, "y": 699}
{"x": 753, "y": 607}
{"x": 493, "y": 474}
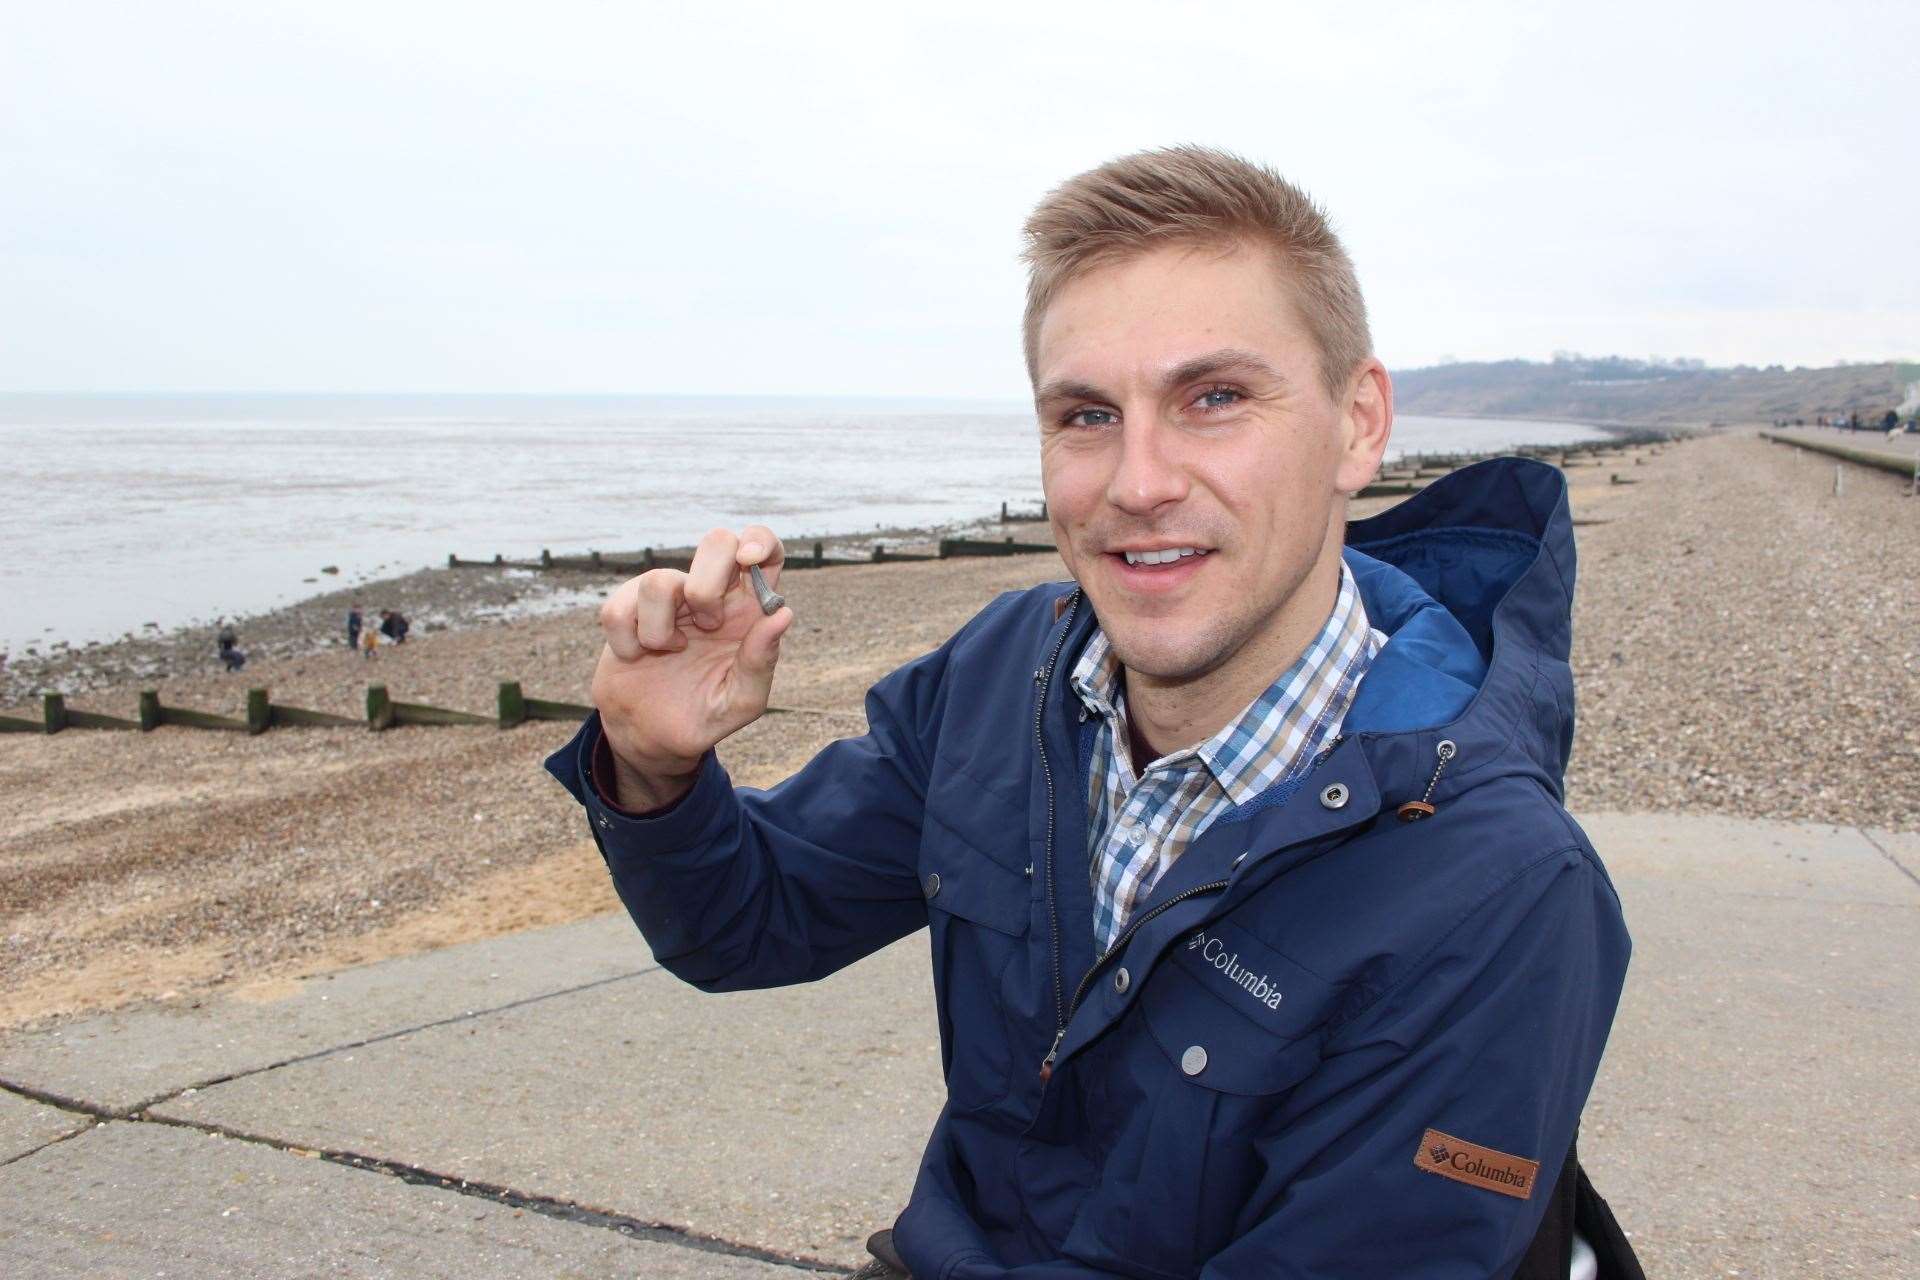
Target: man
{"x": 1261, "y": 942}
{"x": 228, "y": 642}
{"x": 353, "y": 626}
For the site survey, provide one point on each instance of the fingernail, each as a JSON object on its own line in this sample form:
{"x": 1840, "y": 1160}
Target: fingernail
{"x": 752, "y": 550}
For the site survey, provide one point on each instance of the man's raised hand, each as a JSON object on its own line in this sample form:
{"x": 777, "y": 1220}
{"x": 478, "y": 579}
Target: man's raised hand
{"x": 688, "y": 659}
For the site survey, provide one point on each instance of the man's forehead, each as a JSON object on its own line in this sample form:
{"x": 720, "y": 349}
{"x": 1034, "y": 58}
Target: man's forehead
{"x": 1150, "y": 316}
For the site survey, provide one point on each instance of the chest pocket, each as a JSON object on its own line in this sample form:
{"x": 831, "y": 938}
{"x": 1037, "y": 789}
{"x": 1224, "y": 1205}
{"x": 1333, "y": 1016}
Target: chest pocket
{"x": 979, "y": 912}
{"x": 1271, "y": 1007}
{"x": 1225, "y": 1027}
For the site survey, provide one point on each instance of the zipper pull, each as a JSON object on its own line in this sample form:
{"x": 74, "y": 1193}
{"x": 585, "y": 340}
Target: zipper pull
{"x": 1046, "y": 1066}
{"x": 1414, "y": 810}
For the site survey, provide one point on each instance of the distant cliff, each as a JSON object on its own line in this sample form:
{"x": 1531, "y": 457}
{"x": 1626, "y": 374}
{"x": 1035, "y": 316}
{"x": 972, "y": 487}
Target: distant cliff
{"x": 1614, "y": 389}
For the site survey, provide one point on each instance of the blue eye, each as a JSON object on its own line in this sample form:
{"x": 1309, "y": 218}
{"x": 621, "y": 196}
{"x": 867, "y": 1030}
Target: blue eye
{"x": 1092, "y": 418}
{"x": 1218, "y": 398}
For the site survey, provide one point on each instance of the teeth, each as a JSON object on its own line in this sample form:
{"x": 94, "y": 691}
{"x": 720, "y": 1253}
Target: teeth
{"x": 1161, "y": 557}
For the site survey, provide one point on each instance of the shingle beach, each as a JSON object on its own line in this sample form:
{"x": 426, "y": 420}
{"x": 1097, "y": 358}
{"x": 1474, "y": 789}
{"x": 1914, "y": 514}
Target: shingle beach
{"x": 1743, "y": 645}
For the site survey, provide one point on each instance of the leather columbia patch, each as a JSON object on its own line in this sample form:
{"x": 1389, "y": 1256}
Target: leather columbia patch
{"x": 1475, "y": 1165}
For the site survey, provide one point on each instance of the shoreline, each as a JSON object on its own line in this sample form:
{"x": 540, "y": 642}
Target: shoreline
{"x": 436, "y": 598}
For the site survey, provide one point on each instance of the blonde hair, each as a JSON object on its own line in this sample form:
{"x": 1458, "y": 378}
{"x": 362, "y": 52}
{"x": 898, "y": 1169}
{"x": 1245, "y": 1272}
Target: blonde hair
{"x": 1198, "y": 196}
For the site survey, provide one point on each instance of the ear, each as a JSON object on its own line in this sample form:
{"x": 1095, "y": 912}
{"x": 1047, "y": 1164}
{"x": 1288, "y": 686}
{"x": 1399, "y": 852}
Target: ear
{"x": 1365, "y": 424}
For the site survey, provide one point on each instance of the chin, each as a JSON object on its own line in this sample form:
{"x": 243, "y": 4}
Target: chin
{"x": 1165, "y": 657}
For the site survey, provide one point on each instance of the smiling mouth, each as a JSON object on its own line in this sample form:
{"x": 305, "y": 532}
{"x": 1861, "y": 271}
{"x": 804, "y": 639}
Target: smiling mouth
{"x": 1161, "y": 557}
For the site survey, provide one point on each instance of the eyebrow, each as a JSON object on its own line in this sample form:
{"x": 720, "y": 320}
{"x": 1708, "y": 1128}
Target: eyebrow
{"x": 1225, "y": 360}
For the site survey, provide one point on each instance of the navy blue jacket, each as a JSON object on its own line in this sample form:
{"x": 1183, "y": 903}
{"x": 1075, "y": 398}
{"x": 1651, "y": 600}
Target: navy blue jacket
{"x": 1251, "y": 1083}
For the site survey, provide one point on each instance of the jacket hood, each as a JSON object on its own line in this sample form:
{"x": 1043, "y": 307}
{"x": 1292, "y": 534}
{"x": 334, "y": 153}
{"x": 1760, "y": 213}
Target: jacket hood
{"x": 1472, "y": 581}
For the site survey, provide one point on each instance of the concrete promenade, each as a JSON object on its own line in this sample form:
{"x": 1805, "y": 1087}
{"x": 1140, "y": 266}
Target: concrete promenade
{"x": 553, "y": 1104}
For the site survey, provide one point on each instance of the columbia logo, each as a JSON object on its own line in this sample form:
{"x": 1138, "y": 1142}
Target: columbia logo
{"x": 1439, "y": 1154}
{"x": 1257, "y": 985}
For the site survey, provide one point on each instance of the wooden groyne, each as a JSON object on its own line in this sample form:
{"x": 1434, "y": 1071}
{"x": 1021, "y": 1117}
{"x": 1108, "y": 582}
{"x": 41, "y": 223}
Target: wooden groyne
{"x": 383, "y": 712}
{"x": 817, "y": 558}
{"x": 1902, "y": 464}
{"x": 649, "y": 558}
{"x": 1406, "y": 475}
{"x": 1414, "y": 472}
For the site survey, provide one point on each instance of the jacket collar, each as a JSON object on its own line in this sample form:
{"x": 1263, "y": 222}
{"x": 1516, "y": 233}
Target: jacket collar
{"x": 1472, "y": 581}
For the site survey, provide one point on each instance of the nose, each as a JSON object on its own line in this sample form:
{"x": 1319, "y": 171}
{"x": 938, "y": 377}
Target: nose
{"x": 1147, "y": 474}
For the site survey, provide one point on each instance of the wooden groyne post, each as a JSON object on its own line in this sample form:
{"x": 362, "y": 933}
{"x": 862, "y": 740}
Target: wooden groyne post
{"x": 516, "y": 708}
{"x": 57, "y": 715}
{"x": 384, "y": 712}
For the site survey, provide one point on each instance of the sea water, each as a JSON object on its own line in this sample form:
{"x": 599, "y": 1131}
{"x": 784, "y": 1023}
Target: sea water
{"x": 122, "y": 511}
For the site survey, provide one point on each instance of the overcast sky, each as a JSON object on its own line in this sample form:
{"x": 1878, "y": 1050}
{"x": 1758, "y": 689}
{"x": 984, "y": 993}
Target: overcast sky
{"x": 826, "y": 198}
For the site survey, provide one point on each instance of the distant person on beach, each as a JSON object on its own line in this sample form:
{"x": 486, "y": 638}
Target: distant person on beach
{"x": 369, "y": 642}
{"x": 353, "y": 627}
{"x": 393, "y": 625}
{"x": 1261, "y": 942}
{"x": 229, "y": 644}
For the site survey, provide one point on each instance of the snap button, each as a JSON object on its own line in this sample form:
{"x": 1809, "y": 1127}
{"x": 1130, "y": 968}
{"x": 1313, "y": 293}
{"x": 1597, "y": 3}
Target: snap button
{"x": 931, "y": 884}
{"x": 1194, "y": 1060}
{"x": 1120, "y": 980}
{"x": 1240, "y": 857}
{"x": 1335, "y": 796}
{"x": 606, "y": 822}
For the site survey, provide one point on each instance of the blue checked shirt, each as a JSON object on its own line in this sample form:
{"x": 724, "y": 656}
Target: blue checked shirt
{"x": 1140, "y": 823}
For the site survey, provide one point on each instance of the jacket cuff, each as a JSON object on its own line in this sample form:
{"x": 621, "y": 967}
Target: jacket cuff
{"x": 687, "y": 821}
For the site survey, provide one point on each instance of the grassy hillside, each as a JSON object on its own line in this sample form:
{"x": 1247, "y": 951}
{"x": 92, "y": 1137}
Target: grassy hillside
{"x": 1614, "y": 389}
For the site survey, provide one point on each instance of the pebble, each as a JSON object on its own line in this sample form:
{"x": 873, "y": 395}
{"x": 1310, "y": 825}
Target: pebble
{"x": 1747, "y": 643}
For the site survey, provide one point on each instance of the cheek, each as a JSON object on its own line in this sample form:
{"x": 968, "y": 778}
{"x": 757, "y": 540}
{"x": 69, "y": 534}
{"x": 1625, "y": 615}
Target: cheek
{"x": 1069, "y": 479}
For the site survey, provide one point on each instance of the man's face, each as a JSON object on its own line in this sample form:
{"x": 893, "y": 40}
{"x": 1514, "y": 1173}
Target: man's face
{"x": 1181, "y": 407}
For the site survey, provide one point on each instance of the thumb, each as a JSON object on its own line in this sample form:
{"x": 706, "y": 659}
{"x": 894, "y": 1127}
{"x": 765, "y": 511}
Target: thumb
{"x": 760, "y": 652}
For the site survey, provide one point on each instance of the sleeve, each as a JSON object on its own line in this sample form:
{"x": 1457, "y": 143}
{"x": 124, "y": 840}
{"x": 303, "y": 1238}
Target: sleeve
{"x": 1420, "y": 1145}
{"x": 743, "y": 888}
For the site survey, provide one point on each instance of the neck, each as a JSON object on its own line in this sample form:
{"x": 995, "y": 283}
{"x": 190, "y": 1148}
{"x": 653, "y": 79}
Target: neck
{"x": 1167, "y": 715}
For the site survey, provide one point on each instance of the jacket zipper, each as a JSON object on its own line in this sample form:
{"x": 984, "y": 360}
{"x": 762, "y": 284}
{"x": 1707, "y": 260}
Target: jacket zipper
{"x": 1043, "y": 678}
{"x": 1080, "y": 992}
{"x": 1119, "y": 943}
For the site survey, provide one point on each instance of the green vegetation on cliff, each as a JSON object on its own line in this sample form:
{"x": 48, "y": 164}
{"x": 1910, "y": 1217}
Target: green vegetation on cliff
{"x": 1616, "y": 389}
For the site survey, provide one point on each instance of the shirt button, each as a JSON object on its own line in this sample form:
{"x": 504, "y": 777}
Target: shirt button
{"x": 1194, "y": 1060}
{"x": 1121, "y": 981}
{"x": 931, "y": 885}
{"x": 1085, "y": 715}
{"x": 1136, "y": 837}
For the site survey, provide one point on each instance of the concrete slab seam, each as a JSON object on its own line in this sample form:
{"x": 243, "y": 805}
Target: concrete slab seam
{"x": 42, "y": 1096}
{"x": 51, "y": 1142}
{"x": 546, "y": 1206}
{"x": 1887, "y": 854}
{"x": 172, "y": 1094}
{"x": 91, "y": 1120}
